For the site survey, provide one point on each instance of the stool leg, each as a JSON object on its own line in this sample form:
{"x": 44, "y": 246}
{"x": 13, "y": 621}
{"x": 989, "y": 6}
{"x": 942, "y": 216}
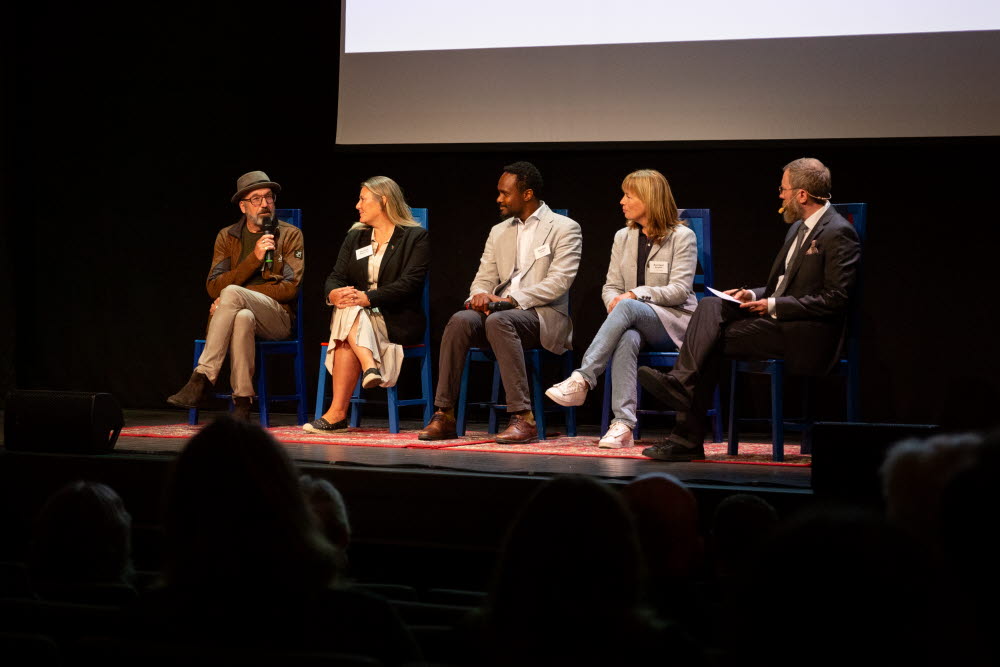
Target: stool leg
{"x": 777, "y": 415}
{"x": 734, "y": 437}
{"x": 262, "y": 395}
{"x": 321, "y": 383}
{"x": 534, "y": 359}
{"x": 199, "y": 347}
{"x": 426, "y": 385}
{"x": 300, "y": 383}
{"x": 494, "y": 399}
{"x": 807, "y": 418}
{"x": 356, "y": 405}
{"x": 463, "y": 395}
{"x": 717, "y": 417}
{"x": 393, "y": 400}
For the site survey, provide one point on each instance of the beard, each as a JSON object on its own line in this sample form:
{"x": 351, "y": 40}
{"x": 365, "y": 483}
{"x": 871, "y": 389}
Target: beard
{"x": 793, "y": 211}
{"x": 254, "y": 218}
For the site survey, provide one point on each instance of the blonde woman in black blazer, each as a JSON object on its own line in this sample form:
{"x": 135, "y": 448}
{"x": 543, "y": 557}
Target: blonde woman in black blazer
{"x": 375, "y": 289}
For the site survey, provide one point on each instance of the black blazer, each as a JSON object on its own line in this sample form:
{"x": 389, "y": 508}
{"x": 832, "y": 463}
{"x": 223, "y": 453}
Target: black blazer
{"x": 400, "y": 279}
{"x": 812, "y": 312}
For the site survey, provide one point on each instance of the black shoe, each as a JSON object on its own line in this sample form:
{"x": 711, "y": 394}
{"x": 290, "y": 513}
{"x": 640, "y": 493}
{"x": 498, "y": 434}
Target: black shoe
{"x": 371, "y": 378}
{"x": 665, "y": 387}
{"x": 194, "y": 393}
{"x": 671, "y": 451}
{"x": 241, "y": 408}
{"x": 323, "y": 426}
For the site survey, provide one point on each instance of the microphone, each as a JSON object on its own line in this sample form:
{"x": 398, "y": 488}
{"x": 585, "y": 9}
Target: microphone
{"x": 781, "y": 210}
{"x": 268, "y": 227}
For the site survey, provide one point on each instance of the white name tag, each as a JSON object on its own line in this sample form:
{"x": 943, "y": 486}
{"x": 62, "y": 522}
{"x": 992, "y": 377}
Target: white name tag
{"x": 542, "y": 251}
{"x": 361, "y": 253}
{"x": 659, "y": 267}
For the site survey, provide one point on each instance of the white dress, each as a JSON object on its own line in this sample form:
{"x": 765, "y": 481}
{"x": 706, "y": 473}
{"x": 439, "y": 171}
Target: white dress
{"x": 371, "y": 330}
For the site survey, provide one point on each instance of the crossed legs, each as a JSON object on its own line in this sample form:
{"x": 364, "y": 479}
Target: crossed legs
{"x": 349, "y": 359}
{"x": 718, "y": 330}
{"x": 240, "y": 317}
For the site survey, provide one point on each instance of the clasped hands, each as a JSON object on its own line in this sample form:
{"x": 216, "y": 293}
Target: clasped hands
{"x": 621, "y": 297}
{"x": 747, "y": 301}
{"x": 345, "y": 297}
{"x": 481, "y": 302}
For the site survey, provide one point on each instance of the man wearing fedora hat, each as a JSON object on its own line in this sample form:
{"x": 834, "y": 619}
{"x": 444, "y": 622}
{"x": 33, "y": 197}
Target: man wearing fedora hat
{"x": 254, "y": 293}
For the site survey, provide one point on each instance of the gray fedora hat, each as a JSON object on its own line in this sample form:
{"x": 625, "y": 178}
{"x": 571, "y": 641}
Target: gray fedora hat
{"x": 253, "y": 180}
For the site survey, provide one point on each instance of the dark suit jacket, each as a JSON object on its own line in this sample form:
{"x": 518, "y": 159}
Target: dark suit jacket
{"x": 812, "y": 313}
{"x": 400, "y": 279}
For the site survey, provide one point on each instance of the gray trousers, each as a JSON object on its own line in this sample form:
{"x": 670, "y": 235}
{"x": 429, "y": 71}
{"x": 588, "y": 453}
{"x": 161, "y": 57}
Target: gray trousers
{"x": 507, "y": 333}
{"x": 241, "y": 316}
{"x": 630, "y": 327}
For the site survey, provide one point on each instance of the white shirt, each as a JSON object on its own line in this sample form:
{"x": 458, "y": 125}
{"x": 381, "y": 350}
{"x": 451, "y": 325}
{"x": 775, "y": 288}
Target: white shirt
{"x": 809, "y": 223}
{"x": 525, "y": 249}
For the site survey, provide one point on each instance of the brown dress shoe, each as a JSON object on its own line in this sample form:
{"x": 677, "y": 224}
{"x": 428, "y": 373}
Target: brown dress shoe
{"x": 441, "y": 427}
{"x": 519, "y": 432}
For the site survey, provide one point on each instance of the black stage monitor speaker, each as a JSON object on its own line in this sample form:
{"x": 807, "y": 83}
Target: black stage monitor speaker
{"x": 847, "y": 456}
{"x": 61, "y": 421}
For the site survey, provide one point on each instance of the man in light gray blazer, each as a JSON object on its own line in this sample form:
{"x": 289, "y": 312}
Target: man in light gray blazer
{"x": 519, "y": 299}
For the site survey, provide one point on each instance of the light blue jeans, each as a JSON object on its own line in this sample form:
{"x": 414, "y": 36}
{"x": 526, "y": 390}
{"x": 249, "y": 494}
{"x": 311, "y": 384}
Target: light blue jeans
{"x": 630, "y": 327}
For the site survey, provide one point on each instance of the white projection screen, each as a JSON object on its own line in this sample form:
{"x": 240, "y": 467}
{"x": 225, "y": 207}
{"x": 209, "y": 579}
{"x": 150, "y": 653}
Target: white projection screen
{"x": 464, "y": 71}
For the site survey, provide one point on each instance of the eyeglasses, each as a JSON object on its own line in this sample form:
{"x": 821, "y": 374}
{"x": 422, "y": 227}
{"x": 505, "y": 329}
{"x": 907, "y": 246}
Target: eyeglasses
{"x": 256, "y": 199}
{"x": 781, "y": 189}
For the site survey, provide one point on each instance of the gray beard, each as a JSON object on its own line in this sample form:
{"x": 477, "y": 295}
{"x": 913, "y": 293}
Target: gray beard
{"x": 792, "y": 212}
{"x": 255, "y": 218}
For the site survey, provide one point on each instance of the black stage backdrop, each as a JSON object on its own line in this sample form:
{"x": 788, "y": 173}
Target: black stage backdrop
{"x": 124, "y": 134}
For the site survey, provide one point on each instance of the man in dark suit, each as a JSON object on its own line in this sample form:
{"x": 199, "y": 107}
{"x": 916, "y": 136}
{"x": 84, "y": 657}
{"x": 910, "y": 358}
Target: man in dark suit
{"x": 799, "y": 316}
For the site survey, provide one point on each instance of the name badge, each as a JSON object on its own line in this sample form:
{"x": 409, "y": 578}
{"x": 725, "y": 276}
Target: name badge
{"x": 361, "y": 253}
{"x": 542, "y": 251}
{"x": 658, "y": 267}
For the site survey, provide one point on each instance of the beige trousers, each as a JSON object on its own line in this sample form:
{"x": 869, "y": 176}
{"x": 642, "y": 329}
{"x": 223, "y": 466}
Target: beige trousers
{"x": 241, "y": 316}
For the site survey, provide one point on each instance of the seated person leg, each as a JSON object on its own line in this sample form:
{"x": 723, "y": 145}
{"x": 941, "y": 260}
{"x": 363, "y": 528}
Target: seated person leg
{"x": 371, "y": 377}
{"x": 509, "y": 332}
{"x": 750, "y": 337}
{"x": 573, "y": 390}
{"x": 702, "y": 340}
{"x": 271, "y": 321}
{"x": 465, "y": 329}
{"x": 241, "y": 362}
{"x": 251, "y": 315}
{"x": 346, "y": 369}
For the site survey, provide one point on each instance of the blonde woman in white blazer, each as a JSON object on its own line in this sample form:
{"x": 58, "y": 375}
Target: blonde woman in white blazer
{"x": 648, "y": 309}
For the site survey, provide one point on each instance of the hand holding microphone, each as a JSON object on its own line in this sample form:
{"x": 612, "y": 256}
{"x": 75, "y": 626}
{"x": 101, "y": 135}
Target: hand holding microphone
{"x": 267, "y": 224}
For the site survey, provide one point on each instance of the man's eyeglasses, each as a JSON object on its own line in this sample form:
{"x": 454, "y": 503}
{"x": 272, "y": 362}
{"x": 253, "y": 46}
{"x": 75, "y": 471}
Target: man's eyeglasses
{"x": 781, "y": 189}
{"x": 256, "y": 199}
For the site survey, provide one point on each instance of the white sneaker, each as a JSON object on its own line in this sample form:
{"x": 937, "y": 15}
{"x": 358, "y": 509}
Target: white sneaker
{"x": 570, "y": 392}
{"x": 619, "y": 435}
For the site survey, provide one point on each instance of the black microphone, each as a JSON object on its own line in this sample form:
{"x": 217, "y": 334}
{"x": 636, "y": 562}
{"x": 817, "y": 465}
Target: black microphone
{"x": 268, "y": 227}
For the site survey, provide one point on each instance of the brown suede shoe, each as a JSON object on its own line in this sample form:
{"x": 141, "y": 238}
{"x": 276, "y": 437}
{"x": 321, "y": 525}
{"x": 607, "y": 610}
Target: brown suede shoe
{"x": 519, "y": 432}
{"x": 441, "y": 427}
{"x": 194, "y": 393}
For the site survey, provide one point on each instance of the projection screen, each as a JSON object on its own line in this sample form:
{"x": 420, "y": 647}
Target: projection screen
{"x": 450, "y": 71}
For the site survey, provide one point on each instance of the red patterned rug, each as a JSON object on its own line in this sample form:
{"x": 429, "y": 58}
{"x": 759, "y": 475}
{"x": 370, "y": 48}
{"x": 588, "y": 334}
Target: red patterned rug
{"x": 755, "y": 453}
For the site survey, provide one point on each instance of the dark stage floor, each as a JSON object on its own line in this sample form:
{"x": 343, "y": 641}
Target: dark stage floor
{"x": 701, "y": 474}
